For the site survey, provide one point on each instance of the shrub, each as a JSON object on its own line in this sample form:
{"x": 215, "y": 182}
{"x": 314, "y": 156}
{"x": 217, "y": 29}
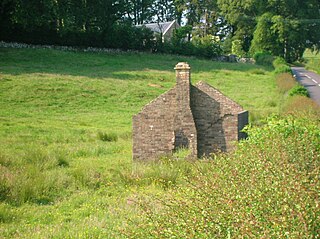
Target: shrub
{"x": 299, "y": 90}
{"x": 282, "y": 69}
{"x": 285, "y": 82}
{"x": 200, "y": 46}
{"x": 263, "y": 58}
{"x": 120, "y": 36}
{"x": 281, "y": 66}
{"x": 278, "y": 61}
{"x": 267, "y": 189}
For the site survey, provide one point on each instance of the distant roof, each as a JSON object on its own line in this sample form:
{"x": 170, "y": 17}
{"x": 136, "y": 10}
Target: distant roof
{"x": 161, "y": 27}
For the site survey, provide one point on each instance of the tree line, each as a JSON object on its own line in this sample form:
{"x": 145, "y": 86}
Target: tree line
{"x": 282, "y": 27}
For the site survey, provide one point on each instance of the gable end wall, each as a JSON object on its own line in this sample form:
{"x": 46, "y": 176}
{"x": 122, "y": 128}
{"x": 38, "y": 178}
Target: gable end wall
{"x": 153, "y": 127}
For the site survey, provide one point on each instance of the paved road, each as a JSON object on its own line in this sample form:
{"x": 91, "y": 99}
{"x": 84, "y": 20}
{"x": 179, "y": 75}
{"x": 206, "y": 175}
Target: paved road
{"x": 310, "y": 80}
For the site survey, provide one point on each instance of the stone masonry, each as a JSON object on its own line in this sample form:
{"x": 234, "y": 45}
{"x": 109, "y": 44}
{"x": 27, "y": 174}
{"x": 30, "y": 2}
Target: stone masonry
{"x": 198, "y": 117}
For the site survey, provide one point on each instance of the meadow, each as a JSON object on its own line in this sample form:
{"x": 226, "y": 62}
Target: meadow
{"x": 65, "y": 152}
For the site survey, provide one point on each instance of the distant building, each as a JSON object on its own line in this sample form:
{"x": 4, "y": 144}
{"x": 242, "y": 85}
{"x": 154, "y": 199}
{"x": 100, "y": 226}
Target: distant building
{"x": 164, "y": 28}
{"x": 198, "y": 117}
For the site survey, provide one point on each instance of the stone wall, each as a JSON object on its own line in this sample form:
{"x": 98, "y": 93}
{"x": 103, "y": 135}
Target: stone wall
{"x": 153, "y": 127}
{"x": 216, "y": 118}
{"x": 206, "y": 112}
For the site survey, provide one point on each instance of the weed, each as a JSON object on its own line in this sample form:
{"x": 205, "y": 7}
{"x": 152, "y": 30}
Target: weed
{"x": 108, "y": 137}
{"x": 6, "y": 215}
{"x": 126, "y": 136}
{"x": 181, "y": 153}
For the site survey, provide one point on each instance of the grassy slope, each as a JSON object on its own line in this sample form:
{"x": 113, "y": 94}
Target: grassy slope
{"x": 313, "y": 61}
{"x": 52, "y": 106}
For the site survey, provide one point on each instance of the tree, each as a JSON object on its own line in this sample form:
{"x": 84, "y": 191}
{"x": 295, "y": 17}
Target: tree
{"x": 240, "y": 16}
{"x": 283, "y": 27}
{"x": 203, "y": 16}
{"x": 138, "y": 11}
{"x": 163, "y": 10}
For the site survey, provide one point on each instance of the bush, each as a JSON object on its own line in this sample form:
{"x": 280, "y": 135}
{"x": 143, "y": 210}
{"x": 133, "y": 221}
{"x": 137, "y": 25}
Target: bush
{"x": 279, "y": 61}
{"x": 282, "y": 69}
{"x": 299, "y": 90}
{"x": 281, "y": 66}
{"x": 313, "y": 64}
{"x": 124, "y": 36}
{"x": 200, "y": 46}
{"x": 263, "y": 58}
{"x": 267, "y": 189}
{"x": 120, "y": 36}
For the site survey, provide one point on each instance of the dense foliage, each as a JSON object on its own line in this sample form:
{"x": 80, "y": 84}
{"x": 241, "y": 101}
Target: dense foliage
{"x": 267, "y": 189}
{"x": 283, "y": 28}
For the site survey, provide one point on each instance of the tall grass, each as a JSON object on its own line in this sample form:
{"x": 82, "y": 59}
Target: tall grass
{"x": 301, "y": 105}
{"x": 285, "y": 82}
{"x": 36, "y": 176}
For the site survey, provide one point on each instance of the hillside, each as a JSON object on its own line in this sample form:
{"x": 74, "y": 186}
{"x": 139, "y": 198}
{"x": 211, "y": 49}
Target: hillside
{"x": 65, "y": 138}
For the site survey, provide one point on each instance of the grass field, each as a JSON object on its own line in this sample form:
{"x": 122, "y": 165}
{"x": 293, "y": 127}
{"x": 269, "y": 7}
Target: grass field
{"x": 313, "y": 61}
{"x": 65, "y": 138}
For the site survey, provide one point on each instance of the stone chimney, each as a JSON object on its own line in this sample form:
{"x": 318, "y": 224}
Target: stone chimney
{"x": 184, "y": 126}
{"x": 183, "y": 85}
{"x": 182, "y": 72}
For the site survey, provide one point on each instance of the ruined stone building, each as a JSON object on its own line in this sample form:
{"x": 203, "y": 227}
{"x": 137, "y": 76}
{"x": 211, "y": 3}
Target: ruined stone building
{"x": 197, "y": 117}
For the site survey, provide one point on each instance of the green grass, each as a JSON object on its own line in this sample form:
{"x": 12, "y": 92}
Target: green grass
{"x": 313, "y": 61}
{"x": 61, "y": 176}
